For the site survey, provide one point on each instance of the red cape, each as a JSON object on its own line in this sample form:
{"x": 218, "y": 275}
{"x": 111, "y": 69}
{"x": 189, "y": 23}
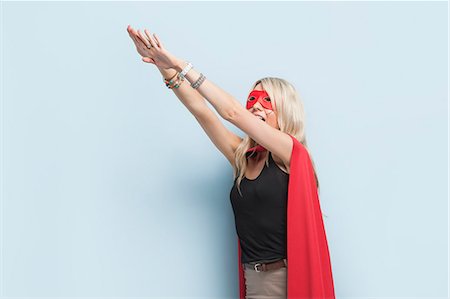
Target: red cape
{"x": 309, "y": 273}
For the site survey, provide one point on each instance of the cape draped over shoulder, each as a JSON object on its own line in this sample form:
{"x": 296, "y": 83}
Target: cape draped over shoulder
{"x": 309, "y": 274}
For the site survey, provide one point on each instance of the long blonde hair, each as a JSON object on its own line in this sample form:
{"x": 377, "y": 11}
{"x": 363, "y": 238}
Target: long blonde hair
{"x": 291, "y": 120}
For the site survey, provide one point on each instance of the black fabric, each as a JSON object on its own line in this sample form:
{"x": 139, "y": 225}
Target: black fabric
{"x": 260, "y": 214}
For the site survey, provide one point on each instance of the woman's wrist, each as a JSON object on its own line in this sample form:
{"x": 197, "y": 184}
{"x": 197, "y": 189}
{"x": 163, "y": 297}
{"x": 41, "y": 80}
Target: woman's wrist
{"x": 167, "y": 73}
{"x": 180, "y": 64}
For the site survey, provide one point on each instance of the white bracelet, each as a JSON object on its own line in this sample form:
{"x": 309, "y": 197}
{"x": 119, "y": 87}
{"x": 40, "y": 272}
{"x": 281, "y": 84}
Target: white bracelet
{"x": 186, "y": 69}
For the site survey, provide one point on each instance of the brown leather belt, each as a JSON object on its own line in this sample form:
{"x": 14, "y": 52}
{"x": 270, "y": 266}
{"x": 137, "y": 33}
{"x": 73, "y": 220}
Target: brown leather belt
{"x": 258, "y": 267}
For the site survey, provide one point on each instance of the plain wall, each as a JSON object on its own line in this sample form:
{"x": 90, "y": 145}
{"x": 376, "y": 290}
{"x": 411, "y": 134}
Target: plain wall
{"x": 110, "y": 188}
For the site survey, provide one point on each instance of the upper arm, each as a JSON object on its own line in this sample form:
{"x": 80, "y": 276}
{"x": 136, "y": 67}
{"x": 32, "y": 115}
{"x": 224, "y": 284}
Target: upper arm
{"x": 274, "y": 140}
{"x": 225, "y": 140}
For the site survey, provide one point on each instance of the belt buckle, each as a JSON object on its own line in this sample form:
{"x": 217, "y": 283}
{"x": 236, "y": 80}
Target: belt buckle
{"x": 255, "y": 267}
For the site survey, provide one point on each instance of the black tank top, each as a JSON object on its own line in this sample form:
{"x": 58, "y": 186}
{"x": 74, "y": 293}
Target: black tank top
{"x": 260, "y": 214}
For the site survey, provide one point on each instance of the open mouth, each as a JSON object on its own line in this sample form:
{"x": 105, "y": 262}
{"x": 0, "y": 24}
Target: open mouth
{"x": 260, "y": 117}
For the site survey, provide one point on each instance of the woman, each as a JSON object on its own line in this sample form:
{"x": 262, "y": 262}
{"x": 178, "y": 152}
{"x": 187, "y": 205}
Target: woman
{"x": 282, "y": 248}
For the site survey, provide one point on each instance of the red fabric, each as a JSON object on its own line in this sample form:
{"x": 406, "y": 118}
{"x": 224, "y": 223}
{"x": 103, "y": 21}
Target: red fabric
{"x": 309, "y": 274}
{"x": 255, "y": 149}
{"x": 258, "y": 96}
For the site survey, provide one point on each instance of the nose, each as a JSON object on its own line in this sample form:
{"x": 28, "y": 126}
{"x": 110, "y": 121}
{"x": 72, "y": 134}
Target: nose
{"x": 257, "y": 106}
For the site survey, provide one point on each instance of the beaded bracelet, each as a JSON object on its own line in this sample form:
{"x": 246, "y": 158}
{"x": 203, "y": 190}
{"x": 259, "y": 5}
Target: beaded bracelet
{"x": 173, "y": 83}
{"x": 171, "y": 80}
{"x": 176, "y": 85}
{"x": 176, "y": 73}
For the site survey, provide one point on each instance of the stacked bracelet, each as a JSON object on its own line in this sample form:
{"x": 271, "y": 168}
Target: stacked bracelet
{"x": 179, "y": 78}
{"x": 199, "y": 81}
{"x": 186, "y": 69}
{"x": 172, "y": 82}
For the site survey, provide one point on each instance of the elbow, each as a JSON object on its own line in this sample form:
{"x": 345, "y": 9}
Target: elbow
{"x": 232, "y": 113}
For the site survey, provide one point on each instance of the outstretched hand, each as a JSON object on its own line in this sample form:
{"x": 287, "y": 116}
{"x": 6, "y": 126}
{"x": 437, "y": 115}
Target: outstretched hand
{"x": 152, "y": 49}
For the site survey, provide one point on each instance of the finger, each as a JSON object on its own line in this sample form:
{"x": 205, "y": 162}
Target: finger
{"x": 132, "y": 32}
{"x": 133, "y": 36}
{"x": 149, "y": 37}
{"x": 152, "y": 41}
{"x": 143, "y": 38}
{"x": 140, "y": 41}
{"x": 138, "y": 38}
{"x": 136, "y": 43}
{"x": 159, "y": 42}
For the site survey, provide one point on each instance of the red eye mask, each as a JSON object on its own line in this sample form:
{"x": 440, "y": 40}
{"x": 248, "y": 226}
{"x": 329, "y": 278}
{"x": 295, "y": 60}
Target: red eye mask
{"x": 259, "y": 96}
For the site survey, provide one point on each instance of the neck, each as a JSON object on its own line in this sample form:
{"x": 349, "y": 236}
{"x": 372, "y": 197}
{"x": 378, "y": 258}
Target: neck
{"x": 258, "y": 156}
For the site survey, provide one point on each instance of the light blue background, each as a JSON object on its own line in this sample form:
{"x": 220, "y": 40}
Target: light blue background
{"x": 110, "y": 188}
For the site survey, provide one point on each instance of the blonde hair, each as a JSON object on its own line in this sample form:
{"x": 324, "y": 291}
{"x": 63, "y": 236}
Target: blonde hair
{"x": 291, "y": 120}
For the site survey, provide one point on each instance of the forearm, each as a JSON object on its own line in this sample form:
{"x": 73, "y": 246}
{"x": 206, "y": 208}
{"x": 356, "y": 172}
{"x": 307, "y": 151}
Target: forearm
{"x": 190, "y": 98}
{"x": 224, "y": 103}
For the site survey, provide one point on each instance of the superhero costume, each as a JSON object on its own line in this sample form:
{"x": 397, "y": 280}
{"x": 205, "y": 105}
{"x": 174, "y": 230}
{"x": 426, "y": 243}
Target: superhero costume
{"x": 309, "y": 273}
{"x": 260, "y": 96}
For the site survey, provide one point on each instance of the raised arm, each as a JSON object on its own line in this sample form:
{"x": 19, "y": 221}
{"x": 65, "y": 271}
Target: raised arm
{"x": 231, "y": 110}
{"x": 225, "y": 140}
{"x": 274, "y": 140}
